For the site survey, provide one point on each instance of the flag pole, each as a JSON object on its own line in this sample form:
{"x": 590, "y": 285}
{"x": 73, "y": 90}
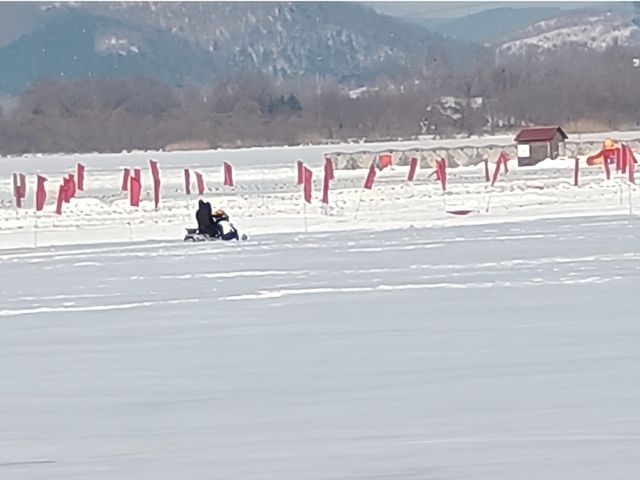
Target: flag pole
{"x": 131, "y": 227}
{"x": 304, "y": 208}
{"x": 355, "y": 217}
{"x": 620, "y": 189}
{"x": 35, "y": 232}
{"x": 304, "y": 205}
{"x": 489, "y": 200}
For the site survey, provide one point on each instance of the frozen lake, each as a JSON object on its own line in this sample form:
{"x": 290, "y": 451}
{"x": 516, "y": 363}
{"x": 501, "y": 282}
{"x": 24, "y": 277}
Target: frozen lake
{"x": 505, "y": 351}
{"x": 266, "y": 199}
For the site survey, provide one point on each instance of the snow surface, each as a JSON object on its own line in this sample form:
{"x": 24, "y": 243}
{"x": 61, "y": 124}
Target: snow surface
{"x": 266, "y": 198}
{"x": 505, "y": 351}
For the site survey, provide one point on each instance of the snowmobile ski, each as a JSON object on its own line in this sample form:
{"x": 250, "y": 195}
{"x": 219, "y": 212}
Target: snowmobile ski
{"x": 194, "y": 236}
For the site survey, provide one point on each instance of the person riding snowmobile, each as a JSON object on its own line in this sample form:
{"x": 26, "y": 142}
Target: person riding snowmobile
{"x": 215, "y": 225}
{"x": 206, "y": 223}
{"x": 220, "y": 214}
{"x": 226, "y": 230}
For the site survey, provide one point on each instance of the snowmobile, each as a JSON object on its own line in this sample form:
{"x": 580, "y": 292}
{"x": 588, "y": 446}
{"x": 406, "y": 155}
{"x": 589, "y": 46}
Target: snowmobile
{"x": 212, "y": 226}
{"x": 194, "y": 236}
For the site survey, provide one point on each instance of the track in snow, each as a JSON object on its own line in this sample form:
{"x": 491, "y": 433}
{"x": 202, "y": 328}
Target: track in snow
{"x": 483, "y": 352}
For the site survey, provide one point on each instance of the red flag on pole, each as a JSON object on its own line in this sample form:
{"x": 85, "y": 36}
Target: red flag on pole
{"x": 308, "y": 184}
{"x": 413, "y": 168}
{"x": 605, "y": 164}
{"x": 200, "y": 182}
{"x": 71, "y": 193}
{"x": 187, "y": 182}
{"x": 125, "y": 180}
{"x": 137, "y": 174}
{"x": 228, "y": 175}
{"x": 371, "y": 176}
{"x": 19, "y": 188}
{"x": 326, "y": 181}
{"x": 576, "y": 173}
{"x": 23, "y": 186}
{"x": 41, "y": 193}
{"x": 16, "y": 190}
{"x": 504, "y": 158}
{"x": 66, "y": 189}
{"x": 300, "y": 171}
{"x": 62, "y": 194}
{"x": 441, "y": 166}
{"x": 135, "y": 188}
{"x": 496, "y": 172}
{"x": 328, "y": 168}
{"x": 155, "y": 173}
{"x": 80, "y": 177}
{"x": 624, "y": 158}
{"x": 631, "y": 165}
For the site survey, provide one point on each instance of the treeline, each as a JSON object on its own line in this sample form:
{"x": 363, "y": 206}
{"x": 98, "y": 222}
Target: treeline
{"x": 106, "y": 115}
{"x": 572, "y": 87}
{"x": 115, "y": 114}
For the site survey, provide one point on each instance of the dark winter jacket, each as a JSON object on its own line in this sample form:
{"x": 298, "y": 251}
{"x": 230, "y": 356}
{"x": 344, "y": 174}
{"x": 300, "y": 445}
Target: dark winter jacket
{"x": 205, "y": 220}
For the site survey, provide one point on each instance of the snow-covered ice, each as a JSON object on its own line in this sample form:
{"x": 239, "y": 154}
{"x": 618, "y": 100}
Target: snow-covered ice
{"x": 502, "y": 351}
{"x": 392, "y": 340}
{"x": 266, "y": 198}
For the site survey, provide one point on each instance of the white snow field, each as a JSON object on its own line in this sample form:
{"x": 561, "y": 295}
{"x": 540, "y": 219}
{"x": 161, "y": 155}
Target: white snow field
{"x": 504, "y": 351}
{"x": 392, "y": 341}
{"x": 266, "y": 198}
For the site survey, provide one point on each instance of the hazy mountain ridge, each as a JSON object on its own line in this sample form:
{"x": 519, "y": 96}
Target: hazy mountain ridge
{"x": 583, "y": 30}
{"x": 487, "y": 25}
{"x": 344, "y": 41}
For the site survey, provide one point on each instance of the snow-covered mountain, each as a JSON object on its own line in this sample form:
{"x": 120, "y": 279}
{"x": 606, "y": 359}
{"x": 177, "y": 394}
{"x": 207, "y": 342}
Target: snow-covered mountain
{"x": 179, "y": 42}
{"x": 588, "y": 30}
